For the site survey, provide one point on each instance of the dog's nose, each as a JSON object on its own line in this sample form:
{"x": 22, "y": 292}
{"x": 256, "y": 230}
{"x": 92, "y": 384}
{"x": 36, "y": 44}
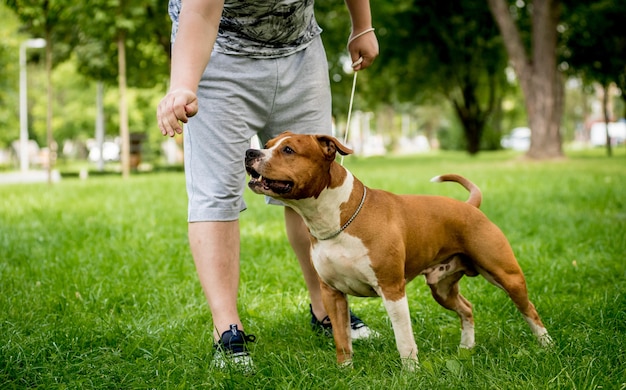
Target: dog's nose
{"x": 252, "y": 153}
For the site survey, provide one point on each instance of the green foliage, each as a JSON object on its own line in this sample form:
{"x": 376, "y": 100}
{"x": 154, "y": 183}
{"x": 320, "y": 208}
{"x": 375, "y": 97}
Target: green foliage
{"x": 596, "y": 42}
{"x": 99, "y": 289}
{"x": 93, "y": 30}
{"x": 430, "y": 53}
{"x": 444, "y": 50}
{"x": 74, "y": 107}
{"x": 445, "y": 54}
{"x": 9, "y": 76}
{"x": 49, "y": 19}
{"x": 146, "y": 27}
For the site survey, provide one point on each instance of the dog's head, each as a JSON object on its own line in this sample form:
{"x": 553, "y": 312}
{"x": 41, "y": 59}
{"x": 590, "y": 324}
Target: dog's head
{"x": 293, "y": 166}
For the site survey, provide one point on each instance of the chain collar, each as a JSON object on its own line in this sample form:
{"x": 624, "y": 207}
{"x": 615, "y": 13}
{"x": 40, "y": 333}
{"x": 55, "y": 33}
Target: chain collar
{"x": 345, "y": 225}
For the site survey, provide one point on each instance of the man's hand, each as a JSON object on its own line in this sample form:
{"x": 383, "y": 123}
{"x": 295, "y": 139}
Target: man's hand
{"x": 363, "y": 48}
{"x": 176, "y": 107}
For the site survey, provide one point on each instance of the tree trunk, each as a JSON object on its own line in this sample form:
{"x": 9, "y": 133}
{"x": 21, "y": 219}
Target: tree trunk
{"x": 605, "y": 111}
{"x": 471, "y": 115}
{"x": 473, "y": 128}
{"x": 540, "y": 80}
{"x": 544, "y": 104}
{"x": 123, "y": 108}
{"x": 473, "y": 135}
{"x": 100, "y": 123}
{"x": 52, "y": 149}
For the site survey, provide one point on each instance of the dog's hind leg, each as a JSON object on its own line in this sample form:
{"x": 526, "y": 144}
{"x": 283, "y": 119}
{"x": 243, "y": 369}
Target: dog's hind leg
{"x": 509, "y": 277}
{"x": 446, "y": 293}
{"x": 515, "y": 287}
{"x": 495, "y": 261}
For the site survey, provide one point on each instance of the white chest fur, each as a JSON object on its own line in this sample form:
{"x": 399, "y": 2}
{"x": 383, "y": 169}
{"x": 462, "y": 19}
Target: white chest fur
{"x": 344, "y": 264}
{"x": 322, "y": 214}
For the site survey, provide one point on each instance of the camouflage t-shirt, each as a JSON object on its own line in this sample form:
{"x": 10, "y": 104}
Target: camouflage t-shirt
{"x": 263, "y": 29}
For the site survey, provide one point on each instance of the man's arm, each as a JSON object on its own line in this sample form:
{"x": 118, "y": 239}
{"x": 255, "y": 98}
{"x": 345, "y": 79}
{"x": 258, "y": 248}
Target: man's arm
{"x": 198, "y": 24}
{"x": 361, "y": 44}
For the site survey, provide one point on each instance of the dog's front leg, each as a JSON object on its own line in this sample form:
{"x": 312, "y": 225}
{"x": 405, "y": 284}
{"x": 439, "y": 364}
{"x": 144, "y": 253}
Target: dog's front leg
{"x": 336, "y": 304}
{"x": 398, "y": 311}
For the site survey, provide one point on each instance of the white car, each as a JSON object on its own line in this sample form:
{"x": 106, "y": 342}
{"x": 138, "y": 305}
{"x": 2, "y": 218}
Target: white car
{"x": 110, "y": 152}
{"x": 617, "y": 131}
{"x": 518, "y": 139}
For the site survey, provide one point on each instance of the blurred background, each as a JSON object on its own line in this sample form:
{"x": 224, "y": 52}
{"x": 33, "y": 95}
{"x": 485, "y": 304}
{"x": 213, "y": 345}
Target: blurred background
{"x": 80, "y": 80}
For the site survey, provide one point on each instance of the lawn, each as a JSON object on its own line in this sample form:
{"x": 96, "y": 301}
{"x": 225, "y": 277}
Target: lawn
{"x": 98, "y": 288}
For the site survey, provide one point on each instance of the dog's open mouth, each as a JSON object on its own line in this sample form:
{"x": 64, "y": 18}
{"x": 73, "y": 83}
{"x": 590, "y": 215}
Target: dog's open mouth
{"x": 259, "y": 182}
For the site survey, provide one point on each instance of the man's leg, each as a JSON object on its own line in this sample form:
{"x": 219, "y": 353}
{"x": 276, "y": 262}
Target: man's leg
{"x": 215, "y": 250}
{"x": 298, "y": 235}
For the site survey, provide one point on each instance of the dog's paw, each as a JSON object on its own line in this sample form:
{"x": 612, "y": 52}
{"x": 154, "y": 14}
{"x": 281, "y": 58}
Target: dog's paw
{"x": 467, "y": 346}
{"x": 468, "y": 340}
{"x": 410, "y": 364}
{"x": 545, "y": 340}
{"x": 346, "y": 364}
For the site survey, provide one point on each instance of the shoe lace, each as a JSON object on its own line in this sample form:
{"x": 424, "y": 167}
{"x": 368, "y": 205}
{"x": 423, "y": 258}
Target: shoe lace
{"x": 235, "y": 340}
{"x": 355, "y": 322}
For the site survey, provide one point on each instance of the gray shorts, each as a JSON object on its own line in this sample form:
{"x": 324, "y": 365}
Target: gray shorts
{"x": 240, "y": 97}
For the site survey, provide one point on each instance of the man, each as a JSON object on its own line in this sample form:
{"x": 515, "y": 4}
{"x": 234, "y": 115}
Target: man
{"x": 239, "y": 69}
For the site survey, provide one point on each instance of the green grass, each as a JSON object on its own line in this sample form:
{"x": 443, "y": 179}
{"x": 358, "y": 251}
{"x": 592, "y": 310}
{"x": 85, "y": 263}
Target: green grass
{"x": 98, "y": 288}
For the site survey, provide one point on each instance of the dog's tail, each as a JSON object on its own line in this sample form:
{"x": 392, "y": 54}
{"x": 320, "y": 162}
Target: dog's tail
{"x": 475, "y": 195}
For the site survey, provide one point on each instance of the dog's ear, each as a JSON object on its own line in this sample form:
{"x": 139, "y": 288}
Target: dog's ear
{"x": 330, "y": 146}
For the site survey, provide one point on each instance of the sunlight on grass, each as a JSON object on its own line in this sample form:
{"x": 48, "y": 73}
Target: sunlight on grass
{"x": 99, "y": 288}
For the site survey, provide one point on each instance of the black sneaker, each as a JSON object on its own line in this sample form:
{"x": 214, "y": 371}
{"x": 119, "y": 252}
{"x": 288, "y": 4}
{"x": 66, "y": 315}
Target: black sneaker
{"x": 358, "y": 329}
{"x": 231, "y": 350}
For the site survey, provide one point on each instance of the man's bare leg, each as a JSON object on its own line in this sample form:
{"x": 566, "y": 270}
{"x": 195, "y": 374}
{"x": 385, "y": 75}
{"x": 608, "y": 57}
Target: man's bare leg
{"x": 215, "y": 249}
{"x": 298, "y": 235}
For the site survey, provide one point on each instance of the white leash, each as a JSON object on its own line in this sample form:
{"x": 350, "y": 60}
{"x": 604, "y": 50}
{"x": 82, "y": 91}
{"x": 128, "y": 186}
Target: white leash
{"x": 357, "y": 62}
{"x": 345, "y": 137}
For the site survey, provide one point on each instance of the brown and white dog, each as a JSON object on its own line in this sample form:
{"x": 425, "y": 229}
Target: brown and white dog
{"x": 367, "y": 242}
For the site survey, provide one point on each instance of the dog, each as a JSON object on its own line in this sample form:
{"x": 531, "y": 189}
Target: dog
{"x": 367, "y": 242}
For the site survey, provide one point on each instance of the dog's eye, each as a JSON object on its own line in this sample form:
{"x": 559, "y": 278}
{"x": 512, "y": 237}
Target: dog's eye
{"x": 288, "y": 150}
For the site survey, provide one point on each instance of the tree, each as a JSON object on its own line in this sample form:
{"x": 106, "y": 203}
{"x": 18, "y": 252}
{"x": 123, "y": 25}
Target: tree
{"x": 470, "y": 60}
{"x": 536, "y": 68}
{"x": 432, "y": 50}
{"x": 596, "y": 47}
{"x": 9, "y": 43}
{"x": 108, "y": 28}
{"x": 456, "y": 52}
{"x": 47, "y": 19}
